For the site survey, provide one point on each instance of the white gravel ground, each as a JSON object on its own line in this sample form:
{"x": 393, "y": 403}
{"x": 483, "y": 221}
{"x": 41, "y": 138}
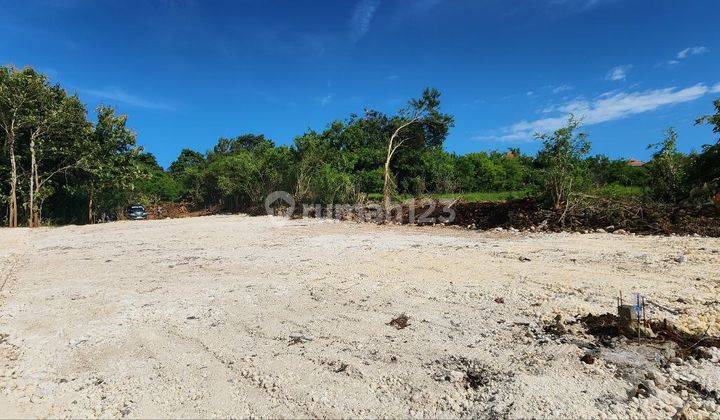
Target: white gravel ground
{"x": 232, "y": 316}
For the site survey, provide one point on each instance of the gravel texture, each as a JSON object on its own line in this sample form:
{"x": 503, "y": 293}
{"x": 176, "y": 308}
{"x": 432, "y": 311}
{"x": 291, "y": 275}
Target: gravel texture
{"x": 233, "y": 316}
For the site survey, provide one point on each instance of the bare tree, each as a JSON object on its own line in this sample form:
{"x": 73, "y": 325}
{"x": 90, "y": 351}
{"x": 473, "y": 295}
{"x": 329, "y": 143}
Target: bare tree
{"x": 13, "y": 101}
{"x": 419, "y": 123}
{"x": 393, "y": 145}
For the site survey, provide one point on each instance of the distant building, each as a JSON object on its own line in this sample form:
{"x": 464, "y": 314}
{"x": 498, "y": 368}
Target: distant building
{"x": 510, "y": 154}
{"x": 636, "y": 163}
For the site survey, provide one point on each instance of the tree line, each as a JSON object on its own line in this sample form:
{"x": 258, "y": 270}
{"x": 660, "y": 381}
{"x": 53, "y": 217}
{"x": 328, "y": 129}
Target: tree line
{"x": 57, "y": 166}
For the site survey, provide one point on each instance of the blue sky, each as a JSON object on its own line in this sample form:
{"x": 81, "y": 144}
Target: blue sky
{"x": 187, "y": 72}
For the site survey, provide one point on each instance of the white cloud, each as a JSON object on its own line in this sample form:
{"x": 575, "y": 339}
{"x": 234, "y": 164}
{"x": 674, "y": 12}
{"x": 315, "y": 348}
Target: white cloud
{"x": 618, "y": 73}
{"x": 118, "y": 95}
{"x": 687, "y": 52}
{"x": 609, "y": 106}
{"x": 669, "y": 63}
{"x": 529, "y": 93}
{"x": 362, "y": 17}
{"x": 325, "y": 100}
{"x": 716, "y": 88}
{"x": 562, "y": 88}
{"x": 392, "y": 77}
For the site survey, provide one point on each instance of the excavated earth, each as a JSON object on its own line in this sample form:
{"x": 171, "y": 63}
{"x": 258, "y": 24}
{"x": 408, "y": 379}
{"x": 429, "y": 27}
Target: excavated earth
{"x": 234, "y": 316}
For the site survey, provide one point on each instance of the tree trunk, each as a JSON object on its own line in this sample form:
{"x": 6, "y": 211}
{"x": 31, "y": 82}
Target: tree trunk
{"x": 386, "y": 174}
{"x": 31, "y": 212}
{"x": 392, "y": 148}
{"x": 38, "y": 207}
{"x": 90, "y": 205}
{"x": 13, "y": 216}
{"x": 386, "y": 183}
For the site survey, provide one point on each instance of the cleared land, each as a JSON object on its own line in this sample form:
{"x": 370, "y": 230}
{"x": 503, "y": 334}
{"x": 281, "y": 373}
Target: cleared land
{"x": 234, "y": 316}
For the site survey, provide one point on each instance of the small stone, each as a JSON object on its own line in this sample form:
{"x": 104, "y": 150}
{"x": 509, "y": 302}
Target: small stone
{"x": 454, "y": 376}
{"x": 588, "y": 359}
{"x": 650, "y": 386}
{"x": 704, "y": 353}
{"x": 679, "y": 259}
{"x": 660, "y": 382}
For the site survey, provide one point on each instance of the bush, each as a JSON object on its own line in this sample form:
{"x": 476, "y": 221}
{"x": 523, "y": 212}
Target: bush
{"x": 667, "y": 170}
{"x": 563, "y": 168}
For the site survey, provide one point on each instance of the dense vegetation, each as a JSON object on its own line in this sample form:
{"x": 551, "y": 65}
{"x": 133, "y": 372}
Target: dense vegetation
{"x": 56, "y": 166}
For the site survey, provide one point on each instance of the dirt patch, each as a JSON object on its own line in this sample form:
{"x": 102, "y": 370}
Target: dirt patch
{"x": 469, "y": 373}
{"x": 178, "y": 210}
{"x": 621, "y": 216}
{"x": 688, "y": 344}
{"x": 289, "y": 319}
{"x": 400, "y": 322}
{"x": 629, "y": 215}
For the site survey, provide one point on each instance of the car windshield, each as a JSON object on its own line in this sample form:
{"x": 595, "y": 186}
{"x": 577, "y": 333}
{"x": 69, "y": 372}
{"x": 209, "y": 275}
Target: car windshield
{"x": 136, "y": 209}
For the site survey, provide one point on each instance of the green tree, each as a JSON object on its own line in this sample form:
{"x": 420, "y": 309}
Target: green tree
{"x": 16, "y": 115}
{"x": 110, "y": 163}
{"x": 420, "y": 124}
{"x": 236, "y": 178}
{"x": 439, "y": 171}
{"x": 155, "y": 185}
{"x": 47, "y": 125}
{"x": 667, "y": 170}
{"x": 563, "y": 170}
{"x": 189, "y": 171}
{"x": 322, "y": 173}
{"x": 704, "y": 171}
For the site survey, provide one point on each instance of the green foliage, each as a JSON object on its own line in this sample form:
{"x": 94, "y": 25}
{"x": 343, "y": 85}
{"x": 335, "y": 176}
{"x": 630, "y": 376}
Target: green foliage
{"x": 111, "y": 163}
{"x": 493, "y": 171}
{"x": 154, "y": 185}
{"x": 439, "y": 171}
{"x": 84, "y": 168}
{"x": 494, "y": 196}
{"x": 189, "y": 171}
{"x": 704, "y": 169}
{"x": 563, "y": 170}
{"x": 236, "y": 177}
{"x": 605, "y": 171}
{"x": 322, "y": 170}
{"x": 667, "y": 170}
{"x": 412, "y": 133}
{"x": 618, "y": 191}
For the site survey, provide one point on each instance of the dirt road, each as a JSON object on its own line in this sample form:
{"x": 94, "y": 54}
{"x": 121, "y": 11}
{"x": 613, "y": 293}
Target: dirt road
{"x": 235, "y": 316}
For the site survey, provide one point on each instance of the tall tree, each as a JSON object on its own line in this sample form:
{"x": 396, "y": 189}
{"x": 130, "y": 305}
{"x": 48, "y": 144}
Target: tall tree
{"x": 189, "y": 169}
{"x": 562, "y": 158}
{"x": 15, "y": 116}
{"x": 57, "y": 123}
{"x": 667, "y": 169}
{"x": 61, "y": 148}
{"x": 420, "y": 123}
{"x": 110, "y": 161}
{"x": 705, "y": 170}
